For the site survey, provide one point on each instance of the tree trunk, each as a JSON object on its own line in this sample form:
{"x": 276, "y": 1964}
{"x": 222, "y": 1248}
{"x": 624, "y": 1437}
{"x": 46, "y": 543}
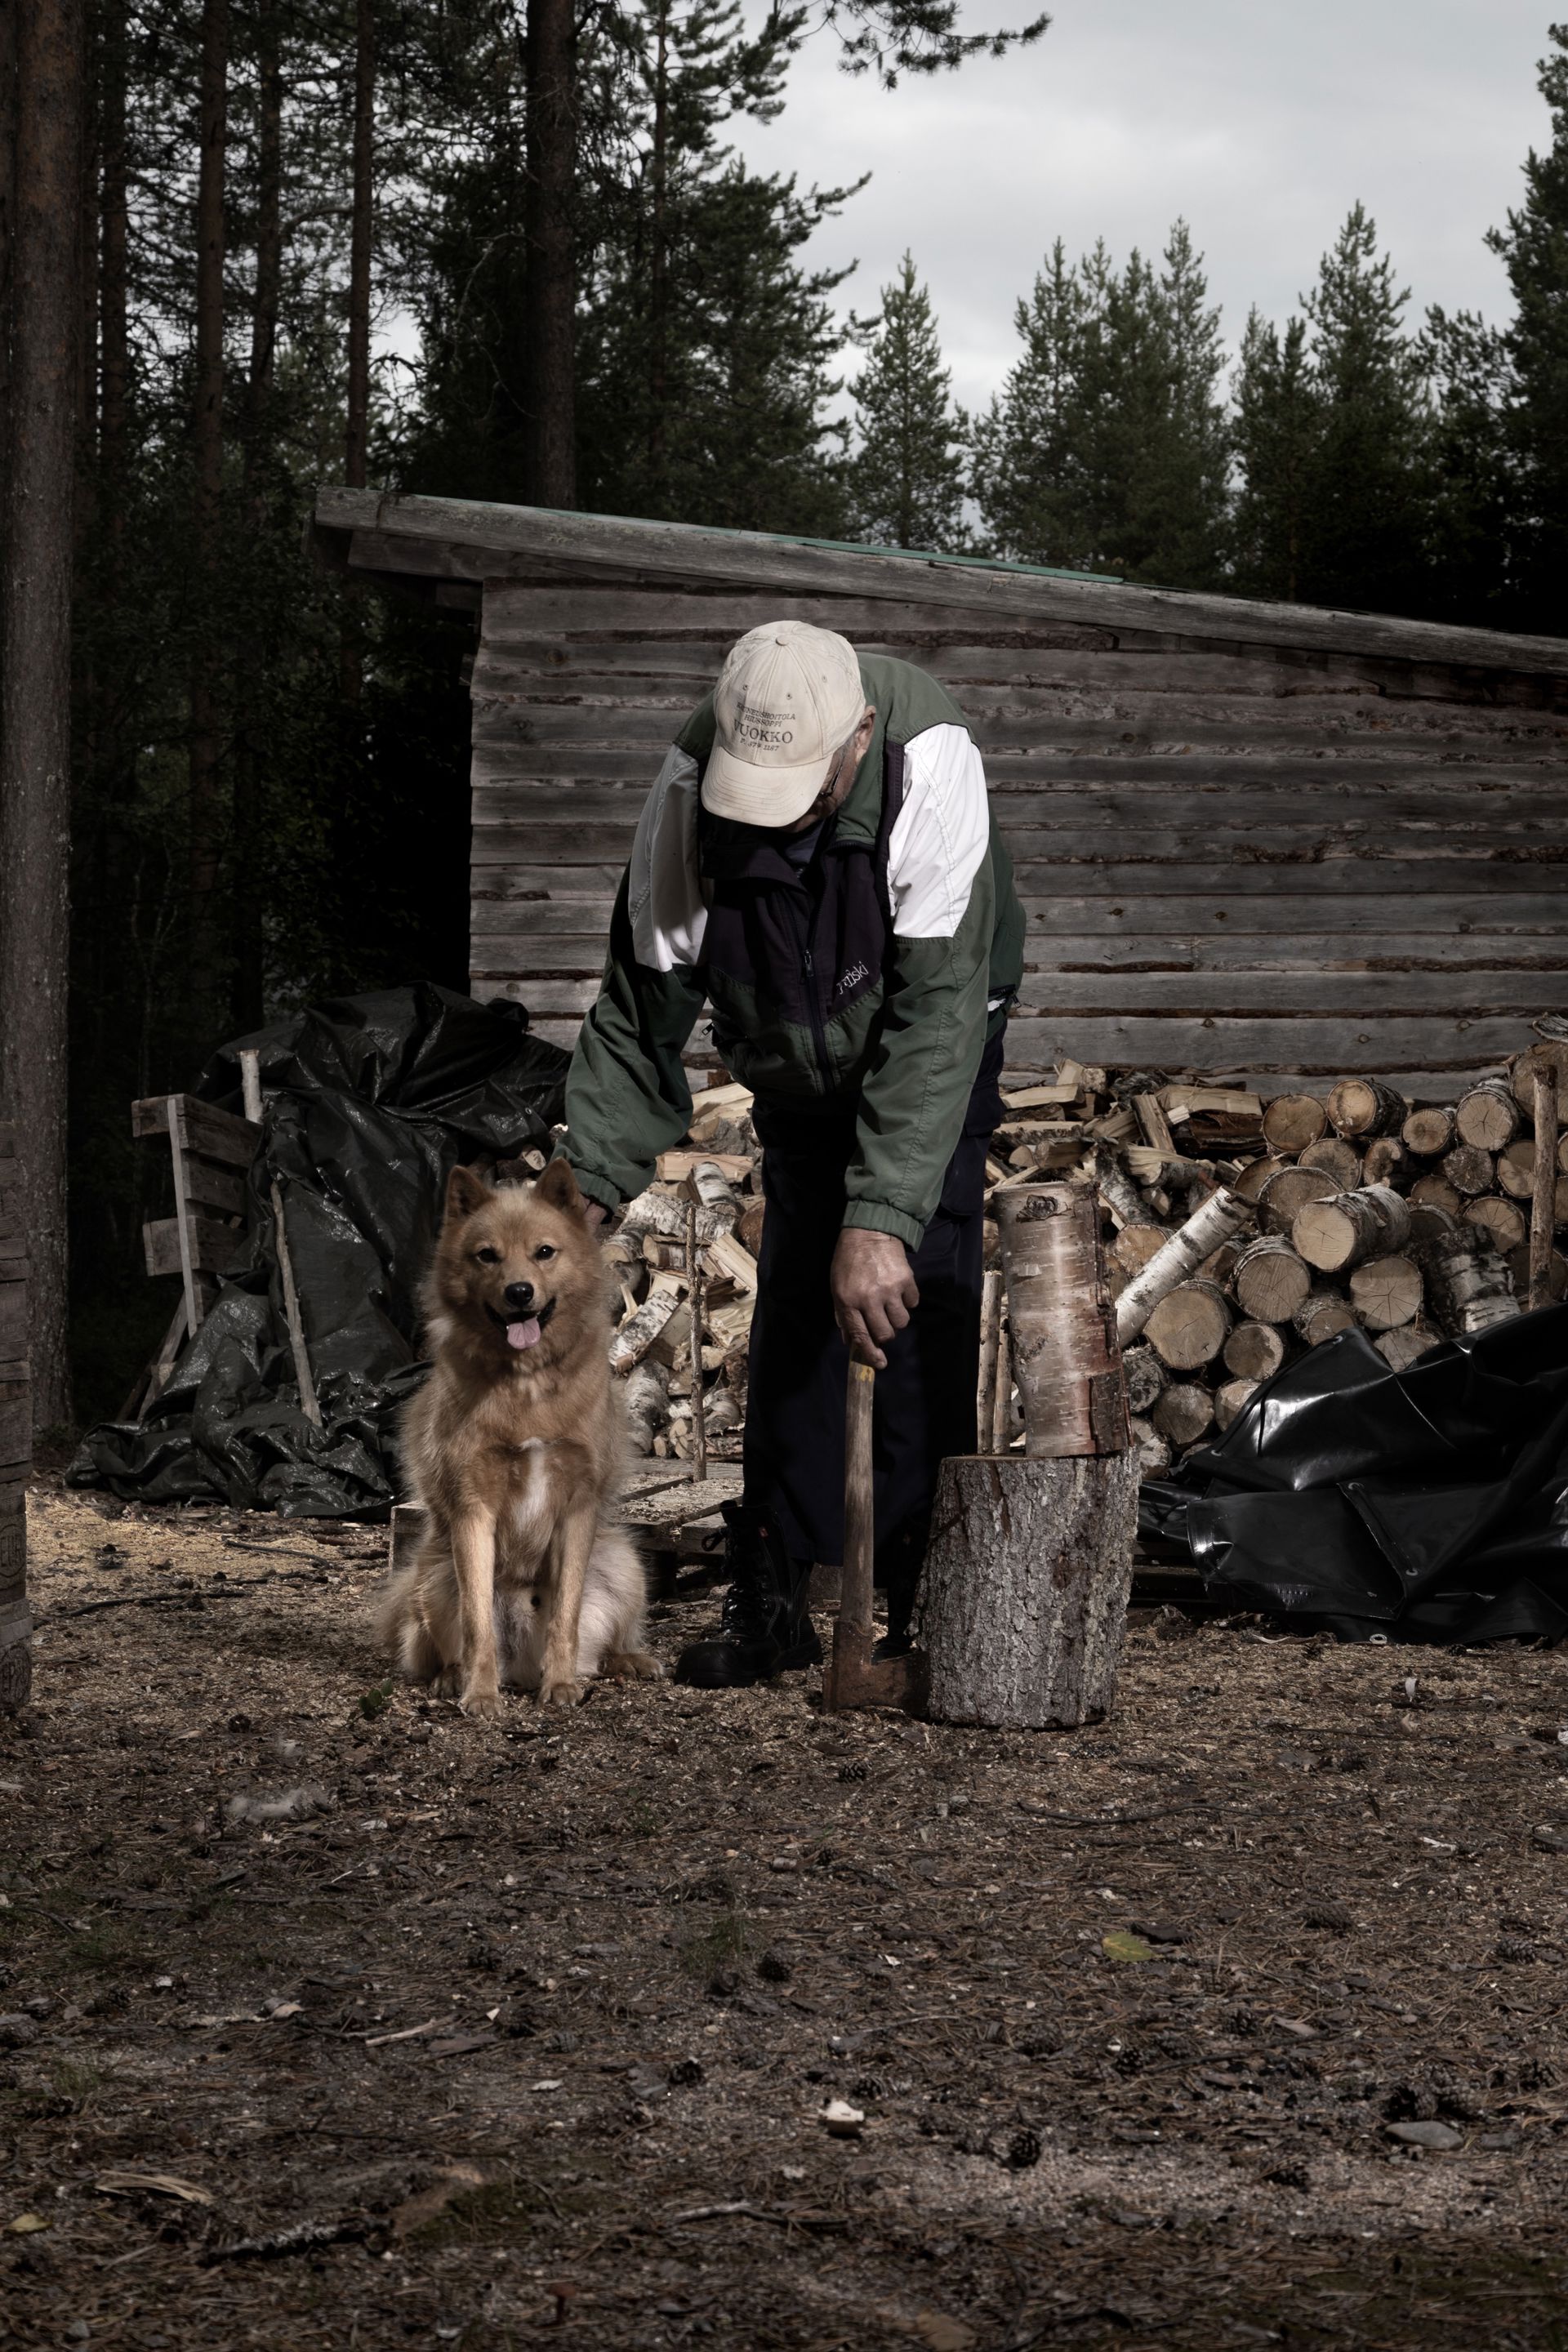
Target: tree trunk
{"x": 250, "y": 990}
{"x": 659, "y": 269}
{"x": 356, "y": 437}
{"x": 1023, "y": 1597}
{"x": 35, "y": 661}
{"x": 8, "y": 127}
{"x": 114, "y": 381}
{"x": 205, "y": 839}
{"x": 551, "y": 291}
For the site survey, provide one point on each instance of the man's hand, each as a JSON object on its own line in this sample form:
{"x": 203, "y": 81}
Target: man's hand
{"x": 593, "y": 1216}
{"x": 874, "y": 1293}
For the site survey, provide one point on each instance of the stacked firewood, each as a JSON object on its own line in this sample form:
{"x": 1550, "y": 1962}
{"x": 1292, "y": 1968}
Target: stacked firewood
{"x": 683, "y": 1257}
{"x": 1240, "y": 1232}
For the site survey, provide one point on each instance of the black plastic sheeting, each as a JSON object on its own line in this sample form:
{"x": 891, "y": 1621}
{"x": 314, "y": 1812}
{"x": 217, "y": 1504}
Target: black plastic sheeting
{"x": 1430, "y": 1504}
{"x": 371, "y": 1100}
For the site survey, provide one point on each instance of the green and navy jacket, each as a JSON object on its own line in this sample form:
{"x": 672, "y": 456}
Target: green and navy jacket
{"x": 868, "y": 965}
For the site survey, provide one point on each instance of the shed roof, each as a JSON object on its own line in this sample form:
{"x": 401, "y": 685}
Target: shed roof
{"x": 401, "y": 540}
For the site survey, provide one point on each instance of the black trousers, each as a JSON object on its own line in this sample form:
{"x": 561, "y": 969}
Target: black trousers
{"x": 798, "y": 1363}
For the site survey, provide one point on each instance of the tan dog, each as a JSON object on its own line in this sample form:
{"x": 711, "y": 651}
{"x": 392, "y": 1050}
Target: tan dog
{"x": 514, "y": 1447}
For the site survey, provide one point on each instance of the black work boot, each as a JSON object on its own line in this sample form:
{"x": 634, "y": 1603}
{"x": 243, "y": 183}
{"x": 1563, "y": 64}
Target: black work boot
{"x": 898, "y": 1571}
{"x": 764, "y": 1627}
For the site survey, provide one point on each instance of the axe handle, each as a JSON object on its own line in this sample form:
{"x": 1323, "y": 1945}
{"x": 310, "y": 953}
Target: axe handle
{"x": 859, "y": 1517}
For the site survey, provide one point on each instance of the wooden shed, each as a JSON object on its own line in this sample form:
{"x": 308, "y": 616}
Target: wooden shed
{"x": 1263, "y": 840}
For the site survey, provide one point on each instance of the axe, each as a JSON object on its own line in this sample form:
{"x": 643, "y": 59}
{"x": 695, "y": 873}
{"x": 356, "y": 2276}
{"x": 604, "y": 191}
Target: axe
{"x": 853, "y": 1677}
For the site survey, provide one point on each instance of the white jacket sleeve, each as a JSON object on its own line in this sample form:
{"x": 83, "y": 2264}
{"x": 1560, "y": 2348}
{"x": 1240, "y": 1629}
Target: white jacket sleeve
{"x": 940, "y": 837}
{"x": 664, "y": 890}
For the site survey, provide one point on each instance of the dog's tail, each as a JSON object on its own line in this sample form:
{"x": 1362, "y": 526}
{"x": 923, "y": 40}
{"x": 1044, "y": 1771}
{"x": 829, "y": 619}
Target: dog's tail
{"x": 401, "y": 1629}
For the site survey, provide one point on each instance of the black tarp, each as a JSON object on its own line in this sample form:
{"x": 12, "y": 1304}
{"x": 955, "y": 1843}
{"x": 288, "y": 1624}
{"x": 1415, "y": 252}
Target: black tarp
{"x": 1430, "y": 1504}
{"x": 370, "y": 1101}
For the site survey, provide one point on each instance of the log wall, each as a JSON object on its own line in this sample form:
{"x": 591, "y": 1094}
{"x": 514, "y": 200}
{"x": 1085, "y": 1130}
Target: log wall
{"x": 1257, "y": 859}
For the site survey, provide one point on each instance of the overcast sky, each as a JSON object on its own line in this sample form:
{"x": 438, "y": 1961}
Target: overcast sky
{"x": 1259, "y": 121}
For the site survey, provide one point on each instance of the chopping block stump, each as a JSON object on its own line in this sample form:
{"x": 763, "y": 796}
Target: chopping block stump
{"x": 1023, "y": 1597}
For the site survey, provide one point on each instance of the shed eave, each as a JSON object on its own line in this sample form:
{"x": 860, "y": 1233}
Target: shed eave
{"x": 385, "y": 535}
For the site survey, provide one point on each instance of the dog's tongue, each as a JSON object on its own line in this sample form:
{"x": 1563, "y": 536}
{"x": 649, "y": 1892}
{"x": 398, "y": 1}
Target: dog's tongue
{"x": 523, "y": 1335}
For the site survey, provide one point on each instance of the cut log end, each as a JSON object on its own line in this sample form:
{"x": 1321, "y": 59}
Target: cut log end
{"x": 1190, "y": 1326}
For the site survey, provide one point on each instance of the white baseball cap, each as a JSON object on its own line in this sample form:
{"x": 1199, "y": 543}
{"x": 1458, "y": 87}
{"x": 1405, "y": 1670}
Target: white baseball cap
{"x": 789, "y": 696}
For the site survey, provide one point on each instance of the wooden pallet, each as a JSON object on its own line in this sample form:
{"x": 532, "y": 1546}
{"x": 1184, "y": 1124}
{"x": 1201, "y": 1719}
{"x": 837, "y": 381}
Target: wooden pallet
{"x": 210, "y": 1151}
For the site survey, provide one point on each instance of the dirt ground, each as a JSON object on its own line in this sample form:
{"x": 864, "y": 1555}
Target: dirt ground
{"x": 524, "y": 2034}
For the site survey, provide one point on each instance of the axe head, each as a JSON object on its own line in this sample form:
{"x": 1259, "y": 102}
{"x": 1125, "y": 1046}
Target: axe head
{"x": 854, "y": 1678}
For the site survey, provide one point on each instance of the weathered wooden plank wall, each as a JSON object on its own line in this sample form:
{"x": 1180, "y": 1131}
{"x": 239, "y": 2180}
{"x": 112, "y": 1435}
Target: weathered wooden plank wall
{"x": 1258, "y": 860}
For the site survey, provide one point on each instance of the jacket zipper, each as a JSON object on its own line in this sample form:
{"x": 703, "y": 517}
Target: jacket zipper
{"x": 818, "y": 1027}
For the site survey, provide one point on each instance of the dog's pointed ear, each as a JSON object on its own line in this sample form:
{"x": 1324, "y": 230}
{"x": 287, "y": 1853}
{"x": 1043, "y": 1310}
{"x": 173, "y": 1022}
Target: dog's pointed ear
{"x": 465, "y": 1191}
{"x": 558, "y": 1188}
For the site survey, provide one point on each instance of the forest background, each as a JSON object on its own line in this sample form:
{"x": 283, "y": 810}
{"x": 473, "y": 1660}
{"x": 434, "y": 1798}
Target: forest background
{"x": 505, "y": 249}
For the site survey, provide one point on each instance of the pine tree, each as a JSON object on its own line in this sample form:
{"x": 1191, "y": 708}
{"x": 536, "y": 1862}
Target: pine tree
{"x": 1108, "y": 447}
{"x": 906, "y": 481}
{"x": 1277, "y": 429}
{"x": 1367, "y": 518}
{"x": 1534, "y": 250}
{"x": 1028, "y": 474}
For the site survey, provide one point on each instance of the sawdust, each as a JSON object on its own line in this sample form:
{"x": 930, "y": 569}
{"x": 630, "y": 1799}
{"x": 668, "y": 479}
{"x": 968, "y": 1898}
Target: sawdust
{"x": 535, "y": 2027}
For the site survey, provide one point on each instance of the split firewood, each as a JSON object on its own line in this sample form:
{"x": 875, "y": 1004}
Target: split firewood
{"x": 1322, "y": 1316}
{"x": 1134, "y": 1245}
{"x": 1249, "y": 1184}
{"x": 1504, "y": 1220}
{"x": 730, "y": 1325}
{"x": 1362, "y": 1107}
{"x": 1145, "y": 1378}
{"x": 724, "y": 1254}
{"x": 1182, "y": 1414}
{"x": 1115, "y": 1126}
{"x": 1254, "y": 1352}
{"x": 706, "y": 1185}
{"x": 1337, "y": 1159}
{"x": 991, "y": 1296}
{"x": 1116, "y": 1193}
{"x": 1334, "y": 1236}
{"x": 1189, "y": 1326}
{"x": 1271, "y": 1279}
{"x": 665, "y": 1213}
{"x": 1386, "y": 1292}
{"x": 1487, "y": 1116}
{"x": 1387, "y": 1163}
{"x": 1291, "y": 1122}
{"x": 1230, "y": 1400}
{"x": 1286, "y": 1196}
{"x": 1467, "y": 1282}
{"x": 1428, "y": 1132}
{"x": 1146, "y": 1165}
{"x": 1402, "y": 1346}
{"x": 673, "y": 1167}
{"x": 1153, "y": 1453}
{"x": 667, "y": 1256}
{"x": 1219, "y": 1217}
{"x": 1049, "y": 1098}
{"x": 646, "y": 1396}
{"x": 640, "y": 1331}
{"x": 1436, "y": 1193}
{"x": 1468, "y": 1169}
{"x": 1150, "y": 1113}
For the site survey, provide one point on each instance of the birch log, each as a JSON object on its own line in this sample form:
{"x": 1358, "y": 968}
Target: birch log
{"x": 1334, "y": 1235}
{"x": 1543, "y": 1206}
{"x": 1064, "y": 1333}
{"x": 1221, "y": 1216}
